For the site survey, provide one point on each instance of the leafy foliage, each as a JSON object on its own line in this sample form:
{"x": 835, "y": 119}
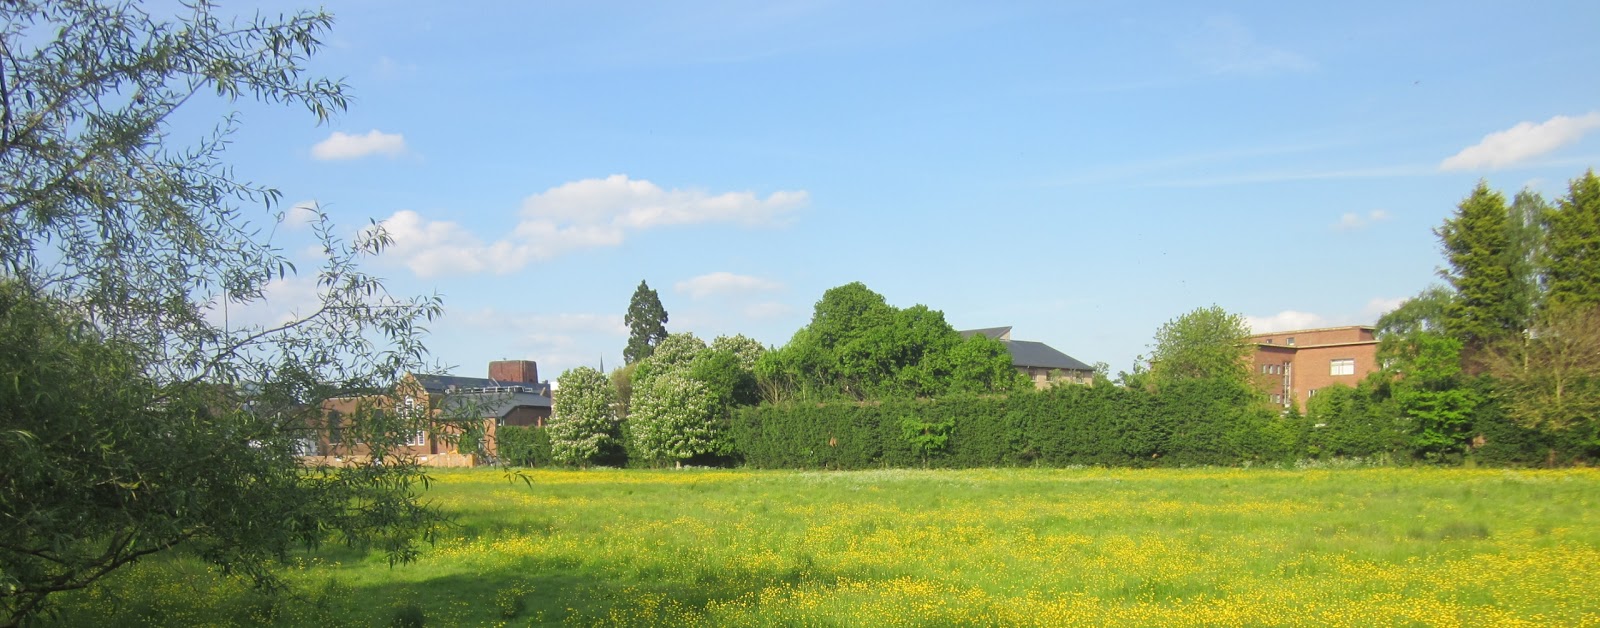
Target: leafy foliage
{"x": 1570, "y": 259}
{"x": 672, "y": 419}
{"x": 135, "y": 421}
{"x": 524, "y": 446}
{"x": 857, "y": 346}
{"x": 1206, "y": 343}
{"x": 583, "y": 426}
{"x": 647, "y": 324}
{"x": 1490, "y": 292}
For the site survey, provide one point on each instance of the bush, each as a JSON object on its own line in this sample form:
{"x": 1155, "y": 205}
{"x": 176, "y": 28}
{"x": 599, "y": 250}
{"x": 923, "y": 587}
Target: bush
{"x": 524, "y": 446}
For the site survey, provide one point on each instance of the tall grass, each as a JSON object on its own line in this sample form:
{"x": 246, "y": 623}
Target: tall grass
{"x": 1352, "y": 547}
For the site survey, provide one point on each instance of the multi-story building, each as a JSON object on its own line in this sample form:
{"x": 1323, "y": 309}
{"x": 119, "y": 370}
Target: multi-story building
{"x": 1294, "y": 365}
{"x": 511, "y": 395}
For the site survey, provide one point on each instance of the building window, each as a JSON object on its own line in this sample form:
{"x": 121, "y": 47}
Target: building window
{"x": 1276, "y": 397}
{"x": 1311, "y": 393}
{"x": 1289, "y": 341}
{"x": 1344, "y": 366}
{"x": 417, "y": 439}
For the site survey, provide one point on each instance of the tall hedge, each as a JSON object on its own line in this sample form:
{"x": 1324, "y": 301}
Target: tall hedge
{"x": 1187, "y": 424}
{"x": 523, "y": 446}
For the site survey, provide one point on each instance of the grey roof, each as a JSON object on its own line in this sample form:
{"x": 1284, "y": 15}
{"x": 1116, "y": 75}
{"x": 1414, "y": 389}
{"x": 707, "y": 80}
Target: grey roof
{"x": 435, "y": 384}
{"x": 496, "y": 405}
{"x": 987, "y": 332}
{"x": 1041, "y": 355}
{"x": 1026, "y": 353}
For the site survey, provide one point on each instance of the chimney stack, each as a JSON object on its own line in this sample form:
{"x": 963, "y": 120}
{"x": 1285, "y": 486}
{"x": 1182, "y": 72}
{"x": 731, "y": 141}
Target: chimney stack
{"x": 514, "y": 371}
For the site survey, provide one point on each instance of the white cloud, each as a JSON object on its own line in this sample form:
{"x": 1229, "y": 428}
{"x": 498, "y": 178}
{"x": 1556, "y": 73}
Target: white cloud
{"x": 577, "y": 215}
{"x": 1353, "y": 221}
{"x": 1223, "y": 45}
{"x": 282, "y": 300}
{"x": 301, "y": 214}
{"x": 566, "y": 323}
{"x": 640, "y": 204}
{"x": 725, "y": 283}
{"x": 342, "y": 145}
{"x": 1378, "y": 307}
{"x": 1284, "y": 321}
{"x": 1522, "y": 142}
{"x": 1292, "y": 319}
{"x": 557, "y": 341}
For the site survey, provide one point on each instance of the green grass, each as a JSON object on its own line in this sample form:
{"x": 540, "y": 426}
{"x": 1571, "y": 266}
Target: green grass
{"x": 1350, "y": 547}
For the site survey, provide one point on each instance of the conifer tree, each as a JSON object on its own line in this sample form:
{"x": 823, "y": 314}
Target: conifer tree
{"x": 1570, "y": 260}
{"x": 1477, "y": 244}
{"x": 647, "y": 324}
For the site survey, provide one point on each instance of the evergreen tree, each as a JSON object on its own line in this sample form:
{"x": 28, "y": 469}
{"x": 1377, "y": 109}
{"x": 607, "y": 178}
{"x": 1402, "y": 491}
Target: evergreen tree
{"x": 647, "y": 324}
{"x": 1570, "y": 259}
{"x": 1489, "y": 304}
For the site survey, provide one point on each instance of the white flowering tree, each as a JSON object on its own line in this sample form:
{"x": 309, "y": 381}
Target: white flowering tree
{"x": 743, "y": 347}
{"x": 674, "y": 354}
{"x": 584, "y": 424}
{"x": 671, "y": 418}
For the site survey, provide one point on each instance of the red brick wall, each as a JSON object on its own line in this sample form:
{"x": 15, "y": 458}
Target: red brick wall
{"x": 1313, "y": 367}
{"x": 524, "y": 371}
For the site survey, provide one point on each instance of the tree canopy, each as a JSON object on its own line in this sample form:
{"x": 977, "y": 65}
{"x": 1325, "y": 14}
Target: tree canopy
{"x": 135, "y": 418}
{"x": 583, "y": 426}
{"x": 1206, "y": 343}
{"x": 647, "y": 324}
{"x": 859, "y": 346}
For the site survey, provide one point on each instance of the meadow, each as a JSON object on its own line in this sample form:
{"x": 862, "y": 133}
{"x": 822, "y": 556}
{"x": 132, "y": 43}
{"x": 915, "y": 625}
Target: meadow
{"x": 1012, "y": 547}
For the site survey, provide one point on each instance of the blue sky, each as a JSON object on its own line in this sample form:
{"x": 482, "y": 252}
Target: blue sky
{"x": 1080, "y": 171}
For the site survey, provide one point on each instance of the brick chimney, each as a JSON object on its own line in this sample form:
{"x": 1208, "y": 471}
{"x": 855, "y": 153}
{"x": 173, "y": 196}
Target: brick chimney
{"x": 514, "y": 371}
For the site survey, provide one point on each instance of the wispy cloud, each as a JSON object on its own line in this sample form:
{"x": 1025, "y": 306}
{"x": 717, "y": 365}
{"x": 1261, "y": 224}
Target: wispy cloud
{"x": 1223, "y": 45}
{"x": 725, "y": 283}
{"x": 300, "y": 214}
{"x": 1289, "y": 320}
{"x": 577, "y": 215}
{"x": 342, "y": 145}
{"x": 1299, "y": 175}
{"x": 1522, "y": 142}
{"x": 1285, "y": 321}
{"x": 1355, "y": 221}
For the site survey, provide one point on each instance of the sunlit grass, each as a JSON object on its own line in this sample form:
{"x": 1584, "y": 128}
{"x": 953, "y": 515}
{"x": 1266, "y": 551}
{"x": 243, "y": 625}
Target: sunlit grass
{"x": 1200, "y": 547}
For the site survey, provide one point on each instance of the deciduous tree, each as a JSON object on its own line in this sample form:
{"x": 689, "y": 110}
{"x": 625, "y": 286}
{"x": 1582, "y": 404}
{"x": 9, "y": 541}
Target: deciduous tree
{"x": 584, "y": 425}
{"x": 671, "y": 419}
{"x": 1206, "y": 343}
{"x": 134, "y": 421}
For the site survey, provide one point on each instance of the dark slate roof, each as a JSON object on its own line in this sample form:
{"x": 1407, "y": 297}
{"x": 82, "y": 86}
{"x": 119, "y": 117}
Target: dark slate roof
{"x": 987, "y": 332}
{"x": 440, "y": 383}
{"x": 496, "y": 405}
{"x": 1041, "y": 355}
{"x": 436, "y": 384}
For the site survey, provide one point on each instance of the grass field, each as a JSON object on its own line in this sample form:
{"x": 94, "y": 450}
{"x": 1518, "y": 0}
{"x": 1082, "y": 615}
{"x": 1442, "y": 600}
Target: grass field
{"x": 1201, "y": 547}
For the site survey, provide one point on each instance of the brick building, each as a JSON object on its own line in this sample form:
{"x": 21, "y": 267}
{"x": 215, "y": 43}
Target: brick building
{"x": 511, "y": 395}
{"x": 1293, "y": 365}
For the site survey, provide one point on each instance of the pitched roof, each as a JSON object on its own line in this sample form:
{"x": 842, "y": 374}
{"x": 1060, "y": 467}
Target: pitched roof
{"x": 496, "y": 405}
{"x": 988, "y": 332}
{"x": 1041, "y": 355}
{"x": 1027, "y": 353}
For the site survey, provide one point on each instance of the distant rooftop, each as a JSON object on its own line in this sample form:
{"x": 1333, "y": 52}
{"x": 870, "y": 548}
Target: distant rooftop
{"x": 1027, "y": 353}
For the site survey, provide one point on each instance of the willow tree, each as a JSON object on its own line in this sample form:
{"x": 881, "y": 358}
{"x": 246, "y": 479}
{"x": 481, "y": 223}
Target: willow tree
{"x": 133, "y": 419}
